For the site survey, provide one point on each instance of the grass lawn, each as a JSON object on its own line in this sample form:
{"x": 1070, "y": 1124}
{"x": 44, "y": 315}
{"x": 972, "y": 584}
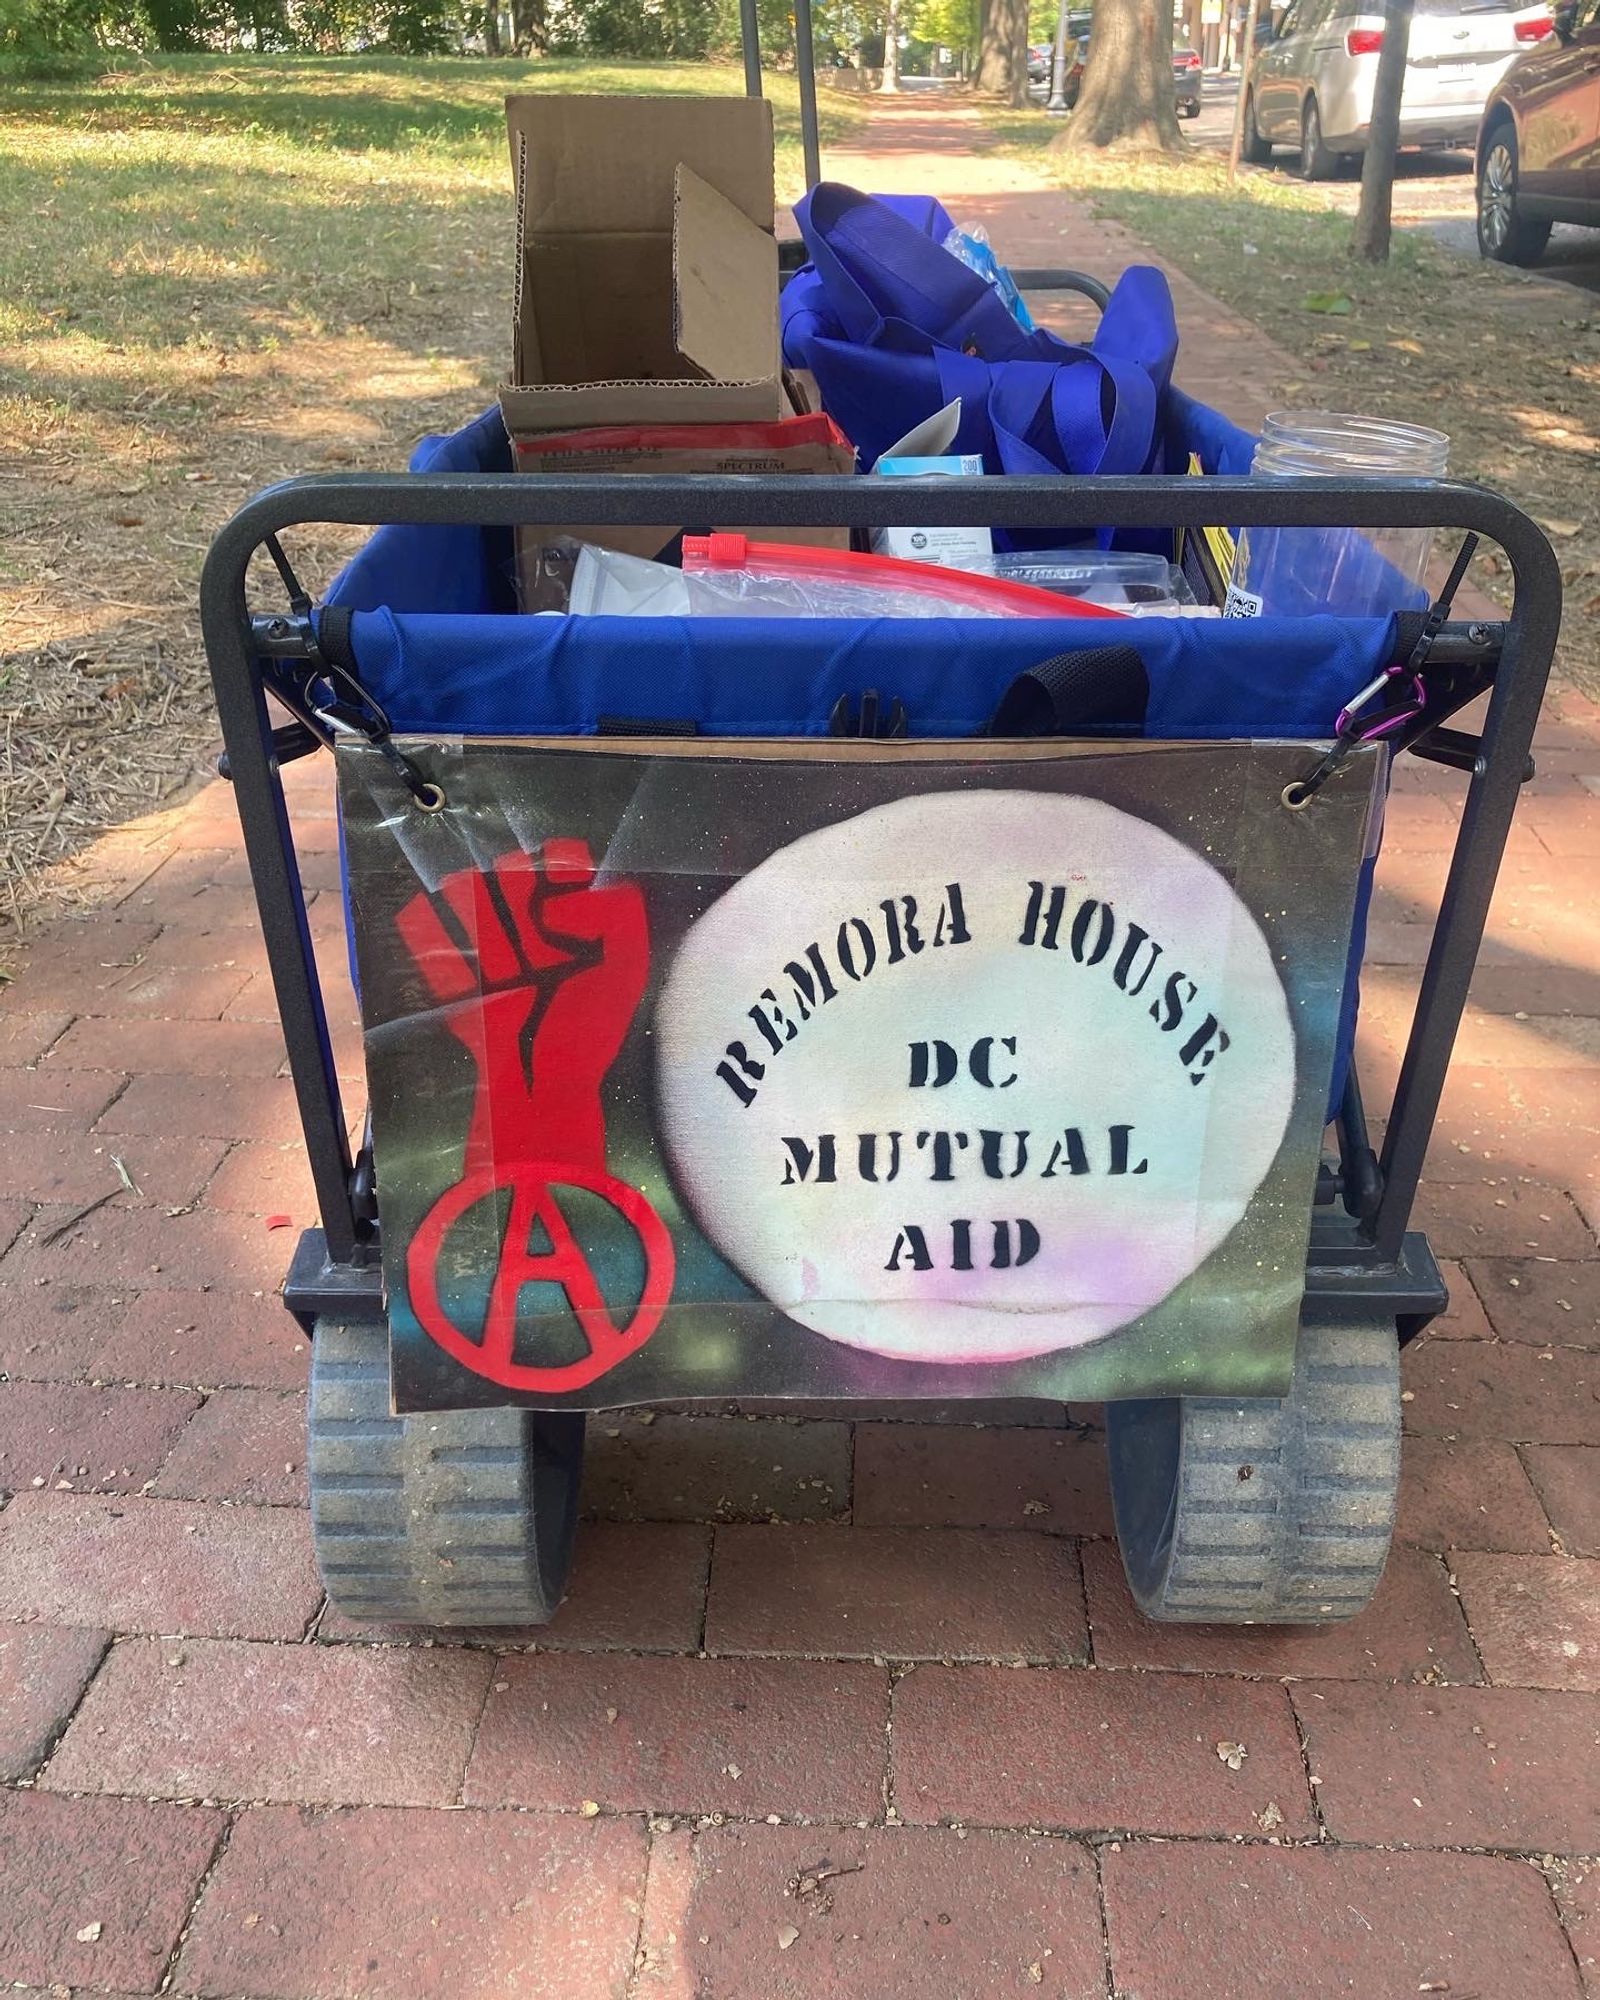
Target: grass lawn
{"x": 215, "y": 272}
{"x": 1508, "y": 365}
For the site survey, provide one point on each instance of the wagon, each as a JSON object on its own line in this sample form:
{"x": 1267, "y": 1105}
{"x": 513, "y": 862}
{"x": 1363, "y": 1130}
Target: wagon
{"x": 729, "y": 1040}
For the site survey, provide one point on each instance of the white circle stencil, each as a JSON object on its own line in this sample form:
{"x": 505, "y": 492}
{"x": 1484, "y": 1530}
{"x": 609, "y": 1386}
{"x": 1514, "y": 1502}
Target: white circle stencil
{"x": 973, "y": 1076}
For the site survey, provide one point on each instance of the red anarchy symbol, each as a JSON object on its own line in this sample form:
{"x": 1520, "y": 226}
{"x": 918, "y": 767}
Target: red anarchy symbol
{"x": 540, "y": 973}
{"x": 533, "y": 1201}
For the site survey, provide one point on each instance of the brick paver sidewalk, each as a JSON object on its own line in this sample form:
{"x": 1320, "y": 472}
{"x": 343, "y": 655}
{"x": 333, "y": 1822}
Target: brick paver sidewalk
{"x": 836, "y": 1708}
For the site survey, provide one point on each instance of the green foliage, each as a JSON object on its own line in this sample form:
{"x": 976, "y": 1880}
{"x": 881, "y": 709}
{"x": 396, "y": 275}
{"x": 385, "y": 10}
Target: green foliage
{"x": 183, "y": 24}
{"x": 330, "y": 26}
{"x": 951, "y": 24}
{"x": 416, "y": 27}
{"x": 43, "y": 37}
{"x": 630, "y": 30}
{"x": 651, "y": 30}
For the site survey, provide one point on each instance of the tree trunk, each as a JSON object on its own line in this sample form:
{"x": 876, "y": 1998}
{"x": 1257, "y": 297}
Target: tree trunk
{"x": 982, "y": 46}
{"x": 1370, "y": 242}
{"x": 491, "y": 27}
{"x": 891, "y": 49}
{"x": 1127, "y": 98}
{"x": 530, "y": 27}
{"x": 1003, "y": 50}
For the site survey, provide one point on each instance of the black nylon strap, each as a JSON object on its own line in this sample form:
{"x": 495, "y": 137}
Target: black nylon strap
{"x": 1408, "y": 629}
{"x": 645, "y": 725}
{"x": 333, "y": 635}
{"x": 1101, "y": 690}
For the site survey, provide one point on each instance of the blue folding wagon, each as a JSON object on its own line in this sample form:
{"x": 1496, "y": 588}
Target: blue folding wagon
{"x": 816, "y": 1009}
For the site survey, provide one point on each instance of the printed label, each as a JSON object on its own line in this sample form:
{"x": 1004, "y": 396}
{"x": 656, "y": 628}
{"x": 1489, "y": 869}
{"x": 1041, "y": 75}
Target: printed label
{"x": 1241, "y": 603}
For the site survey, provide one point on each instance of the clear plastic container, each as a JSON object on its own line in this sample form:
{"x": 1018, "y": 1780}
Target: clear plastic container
{"x": 1352, "y": 572}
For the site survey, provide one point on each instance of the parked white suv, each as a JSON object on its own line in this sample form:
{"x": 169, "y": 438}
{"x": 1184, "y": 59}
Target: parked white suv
{"x": 1311, "y": 83}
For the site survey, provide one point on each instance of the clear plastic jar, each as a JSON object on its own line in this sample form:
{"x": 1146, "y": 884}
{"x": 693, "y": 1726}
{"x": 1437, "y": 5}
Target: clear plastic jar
{"x": 1352, "y": 572}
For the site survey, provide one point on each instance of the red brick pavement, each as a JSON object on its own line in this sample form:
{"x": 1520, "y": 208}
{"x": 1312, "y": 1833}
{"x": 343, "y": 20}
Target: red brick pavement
{"x": 834, "y": 1708}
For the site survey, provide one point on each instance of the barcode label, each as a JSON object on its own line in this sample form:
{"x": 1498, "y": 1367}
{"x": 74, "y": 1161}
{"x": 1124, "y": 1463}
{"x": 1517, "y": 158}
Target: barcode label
{"x": 1241, "y": 603}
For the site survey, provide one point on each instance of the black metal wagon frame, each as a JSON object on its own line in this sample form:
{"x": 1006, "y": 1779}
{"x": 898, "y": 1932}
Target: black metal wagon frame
{"x": 1363, "y": 1255}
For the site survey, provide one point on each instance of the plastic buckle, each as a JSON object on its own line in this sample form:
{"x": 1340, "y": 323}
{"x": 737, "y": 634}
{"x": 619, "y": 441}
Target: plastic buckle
{"x": 874, "y": 717}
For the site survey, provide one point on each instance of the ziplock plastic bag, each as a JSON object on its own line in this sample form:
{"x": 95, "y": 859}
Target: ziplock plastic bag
{"x": 972, "y": 246}
{"x": 729, "y": 576}
{"x": 608, "y": 584}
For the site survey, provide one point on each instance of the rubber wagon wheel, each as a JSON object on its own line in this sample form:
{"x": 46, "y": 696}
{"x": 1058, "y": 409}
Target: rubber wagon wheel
{"x": 451, "y": 1517}
{"x": 1271, "y": 1510}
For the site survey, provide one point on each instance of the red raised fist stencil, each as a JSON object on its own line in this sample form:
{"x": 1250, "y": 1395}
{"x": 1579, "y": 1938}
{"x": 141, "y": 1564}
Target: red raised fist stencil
{"x": 539, "y": 972}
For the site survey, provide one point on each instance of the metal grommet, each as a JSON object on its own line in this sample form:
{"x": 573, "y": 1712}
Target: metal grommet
{"x": 430, "y": 797}
{"x": 1296, "y": 796}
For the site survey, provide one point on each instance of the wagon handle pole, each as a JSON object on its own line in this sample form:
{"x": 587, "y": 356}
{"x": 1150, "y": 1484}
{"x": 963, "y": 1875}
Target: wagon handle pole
{"x": 750, "y": 41}
{"x": 805, "y": 60}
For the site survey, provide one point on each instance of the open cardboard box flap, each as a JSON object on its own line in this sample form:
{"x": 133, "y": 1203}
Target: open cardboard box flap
{"x": 724, "y": 287}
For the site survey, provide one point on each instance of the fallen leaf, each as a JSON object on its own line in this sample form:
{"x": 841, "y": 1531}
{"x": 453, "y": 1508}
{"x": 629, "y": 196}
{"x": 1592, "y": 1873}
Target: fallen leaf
{"x": 787, "y": 1936}
{"x": 590, "y": 1809}
{"x": 90, "y": 1933}
{"x": 279, "y": 1221}
{"x": 1036, "y": 1973}
{"x": 1233, "y": 1755}
{"x": 1360, "y": 347}
{"x": 1336, "y": 303}
{"x": 1270, "y": 1816}
{"x": 1562, "y": 530}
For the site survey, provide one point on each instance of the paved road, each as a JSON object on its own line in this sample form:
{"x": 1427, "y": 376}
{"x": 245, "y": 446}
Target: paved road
{"x": 1433, "y": 192}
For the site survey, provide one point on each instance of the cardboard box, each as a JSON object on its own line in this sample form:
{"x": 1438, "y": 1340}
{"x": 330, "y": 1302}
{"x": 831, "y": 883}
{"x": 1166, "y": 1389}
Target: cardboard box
{"x": 647, "y": 303}
{"x": 647, "y": 270}
{"x": 796, "y": 444}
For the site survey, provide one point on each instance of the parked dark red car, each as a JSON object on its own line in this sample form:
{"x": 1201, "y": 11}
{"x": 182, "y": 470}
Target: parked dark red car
{"x": 1539, "y": 143}
{"x": 1185, "y": 72}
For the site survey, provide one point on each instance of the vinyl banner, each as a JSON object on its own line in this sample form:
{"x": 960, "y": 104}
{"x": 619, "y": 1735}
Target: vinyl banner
{"x": 836, "y": 1070}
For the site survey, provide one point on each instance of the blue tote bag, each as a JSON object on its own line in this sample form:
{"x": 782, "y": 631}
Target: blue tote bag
{"x": 894, "y": 327}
